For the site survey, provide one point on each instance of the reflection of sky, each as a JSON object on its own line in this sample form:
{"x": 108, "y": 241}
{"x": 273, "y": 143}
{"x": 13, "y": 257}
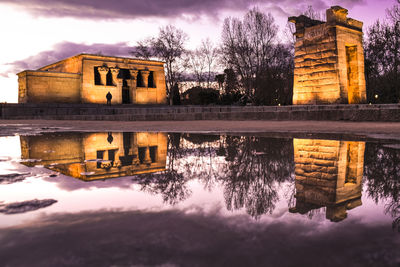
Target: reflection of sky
{"x": 76, "y": 196}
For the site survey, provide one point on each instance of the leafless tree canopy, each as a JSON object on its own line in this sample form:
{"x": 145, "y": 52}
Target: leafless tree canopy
{"x": 251, "y": 48}
{"x": 168, "y": 46}
{"x": 382, "y": 59}
{"x": 202, "y": 62}
{"x": 210, "y": 53}
{"x": 248, "y": 44}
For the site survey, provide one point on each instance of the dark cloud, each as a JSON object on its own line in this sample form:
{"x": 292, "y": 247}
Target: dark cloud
{"x": 65, "y": 50}
{"x": 158, "y": 8}
{"x": 347, "y": 3}
{"x": 194, "y": 238}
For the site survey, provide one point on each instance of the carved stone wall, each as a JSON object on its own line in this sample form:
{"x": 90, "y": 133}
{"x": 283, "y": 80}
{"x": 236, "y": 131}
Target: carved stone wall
{"x": 48, "y": 87}
{"x": 329, "y": 60}
{"x": 88, "y": 78}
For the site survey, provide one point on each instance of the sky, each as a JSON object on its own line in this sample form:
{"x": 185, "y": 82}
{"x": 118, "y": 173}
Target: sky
{"x": 35, "y": 33}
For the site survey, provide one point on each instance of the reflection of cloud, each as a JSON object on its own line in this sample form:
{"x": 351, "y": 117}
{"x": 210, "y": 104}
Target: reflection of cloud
{"x": 65, "y": 50}
{"x": 71, "y": 184}
{"x": 12, "y": 178}
{"x": 99, "y": 9}
{"x": 26, "y": 206}
{"x": 177, "y": 238}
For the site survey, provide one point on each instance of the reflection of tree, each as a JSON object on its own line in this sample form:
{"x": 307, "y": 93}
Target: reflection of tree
{"x": 200, "y": 139}
{"x": 201, "y": 159}
{"x": 382, "y": 171}
{"x": 170, "y": 184}
{"x": 249, "y": 168}
{"x": 255, "y": 167}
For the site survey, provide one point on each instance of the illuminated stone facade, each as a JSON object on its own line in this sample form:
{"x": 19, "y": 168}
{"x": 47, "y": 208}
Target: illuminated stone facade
{"x": 88, "y": 78}
{"x": 92, "y": 156}
{"x": 328, "y": 174}
{"x": 329, "y": 60}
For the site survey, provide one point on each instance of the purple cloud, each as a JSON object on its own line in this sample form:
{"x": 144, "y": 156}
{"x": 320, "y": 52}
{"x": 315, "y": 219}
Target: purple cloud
{"x": 106, "y": 9}
{"x": 348, "y": 3}
{"x": 65, "y": 50}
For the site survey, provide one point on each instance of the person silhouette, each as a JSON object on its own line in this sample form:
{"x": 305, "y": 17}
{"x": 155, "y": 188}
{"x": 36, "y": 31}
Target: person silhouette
{"x": 109, "y": 97}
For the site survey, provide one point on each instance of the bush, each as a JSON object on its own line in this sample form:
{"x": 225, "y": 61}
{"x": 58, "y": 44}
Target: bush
{"x": 231, "y": 98}
{"x": 200, "y": 96}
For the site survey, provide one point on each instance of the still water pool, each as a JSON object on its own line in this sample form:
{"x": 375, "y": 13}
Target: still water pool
{"x": 158, "y": 199}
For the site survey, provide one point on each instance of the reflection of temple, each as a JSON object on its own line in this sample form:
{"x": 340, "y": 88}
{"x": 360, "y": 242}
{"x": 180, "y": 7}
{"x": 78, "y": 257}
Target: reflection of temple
{"x": 328, "y": 173}
{"x": 91, "y": 156}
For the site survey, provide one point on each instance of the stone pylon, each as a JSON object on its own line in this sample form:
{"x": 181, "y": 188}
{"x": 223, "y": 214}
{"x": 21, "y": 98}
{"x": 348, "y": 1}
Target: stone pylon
{"x": 329, "y": 60}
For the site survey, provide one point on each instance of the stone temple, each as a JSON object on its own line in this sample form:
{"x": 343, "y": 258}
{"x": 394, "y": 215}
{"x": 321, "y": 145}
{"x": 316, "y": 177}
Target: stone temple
{"x": 86, "y": 78}
{"x": 329, "y": 60}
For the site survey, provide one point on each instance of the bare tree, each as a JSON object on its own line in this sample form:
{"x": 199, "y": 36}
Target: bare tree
{"x": 202, "y": 61}
{"x": 247, "y": 46}
{"x": 382, "y": 59}
{"x": 168, "y": 46}
{"x": 197, "y": 64}
{"x": 210, "y": 53}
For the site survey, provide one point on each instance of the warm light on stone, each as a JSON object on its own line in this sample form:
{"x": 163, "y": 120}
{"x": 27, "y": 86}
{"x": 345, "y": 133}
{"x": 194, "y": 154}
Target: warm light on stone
{"x": 92, "y": 156}
{"x": 328, "y": 174}
{"x": 329, "y": 60}
{"x": 88, "y": 78}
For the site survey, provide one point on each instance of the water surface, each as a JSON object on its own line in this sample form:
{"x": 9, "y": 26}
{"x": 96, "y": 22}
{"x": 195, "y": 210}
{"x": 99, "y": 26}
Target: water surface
{"x": 180, "y": 199}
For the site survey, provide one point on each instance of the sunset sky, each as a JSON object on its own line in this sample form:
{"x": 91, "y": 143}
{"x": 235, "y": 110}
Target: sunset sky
{"x": 39, "y": 32}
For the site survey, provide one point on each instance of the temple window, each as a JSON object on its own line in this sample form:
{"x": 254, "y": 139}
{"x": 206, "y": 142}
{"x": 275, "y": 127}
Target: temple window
{"x": 125, "y": 76}
{"x": 151, "y": 81}
{"x": 109, "y": 80}
{"x": 99, "y": 157}
{"x": 139, "y": 80}
{"x": 97, "y": 80}
{"x": 153, "y": 153}
{"x": 142, "y": 154}
{"x": 111, "y": 155}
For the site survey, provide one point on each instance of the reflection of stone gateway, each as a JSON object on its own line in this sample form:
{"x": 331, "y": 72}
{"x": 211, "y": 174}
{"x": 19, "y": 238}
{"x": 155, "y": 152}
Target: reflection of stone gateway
{"x": 329, "y": 60}
{"x": 91, "y": 156}
{"x": 328, "y": 173}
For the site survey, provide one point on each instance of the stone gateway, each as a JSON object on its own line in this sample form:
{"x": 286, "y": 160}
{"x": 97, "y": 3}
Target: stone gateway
{"x": 86, "y": 78}
{"x": 329, "y": 60}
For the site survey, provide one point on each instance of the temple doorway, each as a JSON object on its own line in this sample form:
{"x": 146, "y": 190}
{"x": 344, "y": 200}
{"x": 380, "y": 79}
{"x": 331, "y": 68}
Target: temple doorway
{"x": 125, "y": 96}
{"x": 352, "y": 75}
{"x": 125, "y": 93}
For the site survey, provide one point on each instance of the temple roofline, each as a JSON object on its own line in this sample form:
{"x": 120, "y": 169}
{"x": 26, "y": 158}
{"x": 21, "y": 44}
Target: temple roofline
{"x": 87, "y": 55}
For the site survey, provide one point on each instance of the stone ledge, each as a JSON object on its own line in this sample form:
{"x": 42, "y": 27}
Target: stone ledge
{"x": 388, "y": 112}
